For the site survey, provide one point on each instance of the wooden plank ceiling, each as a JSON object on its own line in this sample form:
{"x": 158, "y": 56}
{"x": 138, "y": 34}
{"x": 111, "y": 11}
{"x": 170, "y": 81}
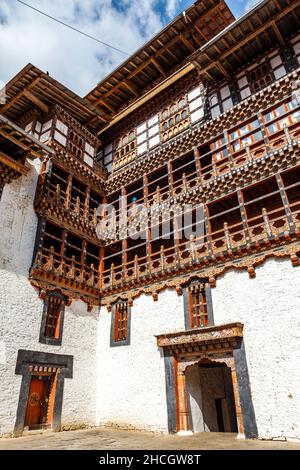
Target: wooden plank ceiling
{"x": 34, "y": 88}
{"x": 161, "y": 56}
{"x": 16, "y": 142}
{"x": 267, "y": 26}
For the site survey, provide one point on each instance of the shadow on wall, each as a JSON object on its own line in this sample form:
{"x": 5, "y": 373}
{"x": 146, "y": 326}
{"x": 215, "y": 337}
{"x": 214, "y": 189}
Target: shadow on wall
{"x": 211, "y": 399}
{"x": 18, "y": 222}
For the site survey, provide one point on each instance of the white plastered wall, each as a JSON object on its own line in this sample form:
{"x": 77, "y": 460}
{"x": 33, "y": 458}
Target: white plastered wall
{"x": 21, "y": 313}
{"x": 131, "y": 387}
{"x": 269, "y": 308}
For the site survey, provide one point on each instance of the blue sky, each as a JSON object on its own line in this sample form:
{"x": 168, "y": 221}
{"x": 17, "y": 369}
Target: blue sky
{"x": 76, "y": 61}
{"x": 237, "y": 6}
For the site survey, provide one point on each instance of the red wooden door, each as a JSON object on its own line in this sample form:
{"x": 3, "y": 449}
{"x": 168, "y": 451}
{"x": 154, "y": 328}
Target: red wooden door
{"x": 35, "y": 403}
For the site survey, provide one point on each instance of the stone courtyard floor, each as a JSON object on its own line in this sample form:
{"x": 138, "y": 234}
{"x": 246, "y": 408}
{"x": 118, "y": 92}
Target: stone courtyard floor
{"x": 114, "y": 439}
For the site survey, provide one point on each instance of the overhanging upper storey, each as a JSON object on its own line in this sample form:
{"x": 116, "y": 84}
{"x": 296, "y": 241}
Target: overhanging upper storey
{"x": 242, "y": 60}
{"x": 161, "y": 56}
{"x": 266, "y": 26}
{"x": 33, "y": 88}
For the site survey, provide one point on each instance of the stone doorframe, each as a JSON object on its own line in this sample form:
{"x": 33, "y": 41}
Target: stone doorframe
{"x": 222, "y": 344}
{"x": 26, "y": 362}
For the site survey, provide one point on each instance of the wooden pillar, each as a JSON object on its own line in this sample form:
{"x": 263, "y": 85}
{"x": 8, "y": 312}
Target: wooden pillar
{"x": 68, "y": 191}
{"x": 101, "y": 267}
{"x": 175, "y": 224}
{"x": 83, "y": 254}
{"x": 63, "y": 245}
{"x": 124, "y": 241}
{"x": 243, "y": 214}
{"x": 148, "y": 229}
{"x": 208, "y": 232}
{"x": 86, "y": 202}
{"x": 183, "y": 409}
{"x": 170, "y": 176}
{"x": 285, "y": 202}
{"x": 197, "y": 162}
{"x": 238, "y": 409}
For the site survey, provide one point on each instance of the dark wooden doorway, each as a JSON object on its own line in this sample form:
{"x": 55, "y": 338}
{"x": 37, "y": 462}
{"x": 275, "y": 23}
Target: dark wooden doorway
{"x": 37, "y": 415}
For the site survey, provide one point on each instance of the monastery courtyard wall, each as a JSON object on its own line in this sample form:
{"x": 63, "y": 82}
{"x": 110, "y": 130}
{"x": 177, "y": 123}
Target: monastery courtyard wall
{"x": 125, "y": 385}
{"x": 21, "y": 312}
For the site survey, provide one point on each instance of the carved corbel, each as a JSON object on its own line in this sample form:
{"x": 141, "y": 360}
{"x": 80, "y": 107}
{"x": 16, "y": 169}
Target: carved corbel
{"x": 42, "y": 294}
{"x": 251, "y": 272}
{"x": 294, "y": 260}
{"x": 179, "y": 291}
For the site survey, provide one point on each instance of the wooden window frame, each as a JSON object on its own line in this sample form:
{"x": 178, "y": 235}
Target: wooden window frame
{"x": 148, "y": 136}
{"x": 120, "y": 151}
{"x": 277, "y": 118}
{"x": 198, "y": 306}
{"x": 117, "y": 310}
{"x": 240, "y": 138}
{"x": 173, "y": 114}
{"x": 220, "y": 101}
{"x": 193, "y": 321}
{"x": 55, "y": 340}
{"x": 265, "y": 63}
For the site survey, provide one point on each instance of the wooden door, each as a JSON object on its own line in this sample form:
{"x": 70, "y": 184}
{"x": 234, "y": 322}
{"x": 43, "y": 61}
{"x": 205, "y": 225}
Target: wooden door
{"x": 36, "y": 402}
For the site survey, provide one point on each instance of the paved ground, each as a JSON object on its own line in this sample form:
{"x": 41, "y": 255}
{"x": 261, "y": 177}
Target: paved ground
{"x": 110, "y": 439}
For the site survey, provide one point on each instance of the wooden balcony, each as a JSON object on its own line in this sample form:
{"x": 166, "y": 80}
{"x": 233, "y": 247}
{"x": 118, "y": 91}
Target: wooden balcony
{"x": 67, "y": 274}
{"x": 69, "y": 212}
{"x": 233, "y": 241}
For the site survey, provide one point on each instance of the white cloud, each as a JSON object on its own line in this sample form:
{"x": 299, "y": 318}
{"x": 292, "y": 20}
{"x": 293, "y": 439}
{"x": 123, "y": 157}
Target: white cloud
{"x": 76, "y": 61}
{"x": 251, "y": 3}
{"x": 171, "y": 7}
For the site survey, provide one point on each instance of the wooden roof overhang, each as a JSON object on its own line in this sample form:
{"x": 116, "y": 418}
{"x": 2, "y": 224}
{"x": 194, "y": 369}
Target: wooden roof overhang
{"x": 33, "y": 88}
{"x": 161, "y": 56}
{"x": 207, "y": 339}
{"x": 15, "y": 146}
{"x": 267, "y": 25}
{"x": 11, "y": 133}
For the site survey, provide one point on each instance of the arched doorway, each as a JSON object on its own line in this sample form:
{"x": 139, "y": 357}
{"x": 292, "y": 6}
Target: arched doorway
{"x": 210, "y": 397}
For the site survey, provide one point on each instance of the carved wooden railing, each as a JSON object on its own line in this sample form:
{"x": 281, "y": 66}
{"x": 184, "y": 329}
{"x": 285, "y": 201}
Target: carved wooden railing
{"x": 69, "y": 207}
{"x": 287, "y": 135}
{"x": 266, "y": 228}
{"x": 67, "y": 271}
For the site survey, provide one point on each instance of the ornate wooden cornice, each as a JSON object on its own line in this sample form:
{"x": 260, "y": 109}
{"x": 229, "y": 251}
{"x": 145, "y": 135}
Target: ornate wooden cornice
{"x": 209, "y": 338}
{"x": 92, "y": 177}
{"x": 73, "y": 290}
{"x": 246, "y": 259}
{"x": 203, "y": 132}
{"x": 51, "y": 207}
{"x": 80, "y": 129}
{"x": 155, "y": 105}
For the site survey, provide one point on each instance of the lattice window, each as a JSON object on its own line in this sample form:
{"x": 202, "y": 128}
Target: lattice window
{"x": 196, "y": 104}
{"x": 105, "y": 157}
{"x": 125, "y": 149}
{"x": 76, "y": 144}
{"x": 260, "y": 77}
{"x": 284, "y": 115}
{"x": 174, "y": 119}
{"x": 148, "y": 135}
{"x": 247, "y": 134}
{"x": 220, "y": 100}
{"x": 52, "y": 320}
{"x": 198, "y": 306}
{"x": 121, "y": 322}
